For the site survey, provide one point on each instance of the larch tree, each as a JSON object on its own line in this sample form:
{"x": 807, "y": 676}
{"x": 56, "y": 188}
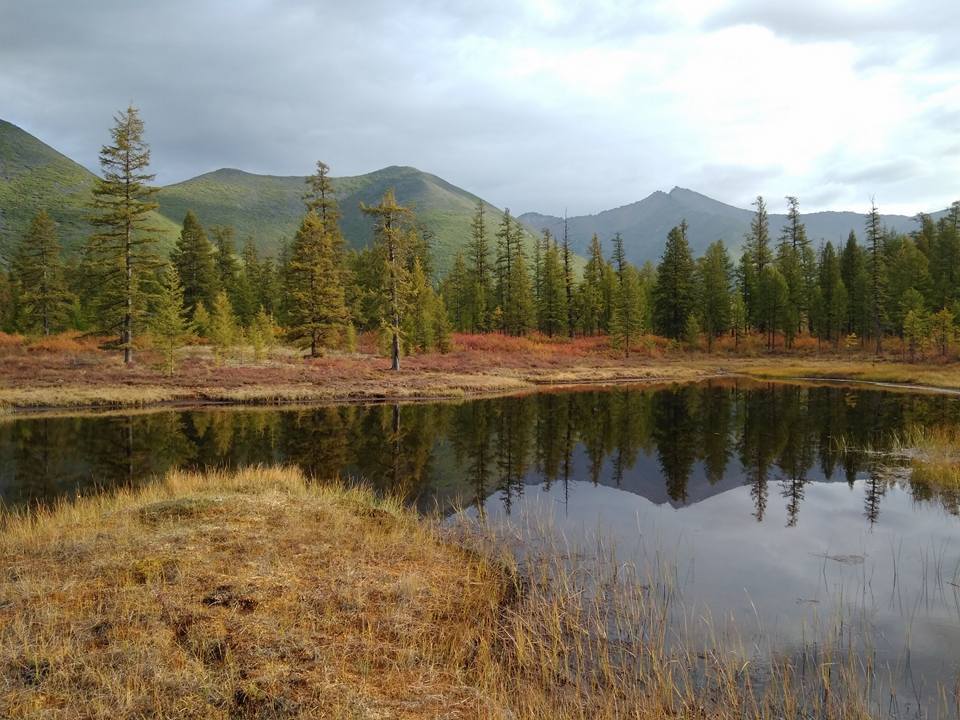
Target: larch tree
{"x": 318, "y": 310}
{"x": 196, "y": 264}
{"x": 504, "y": 263}
{"x": 121, "y": 253}
{"x": 321, "y": 199}
{"x": 390, "y": 232}
{"x": 36, "y": 268}
{"x": 590, "y": 292}
{"x": 715, "y": 277}
{"x": 552, "y": 310}
{"x": 167, "y": 323}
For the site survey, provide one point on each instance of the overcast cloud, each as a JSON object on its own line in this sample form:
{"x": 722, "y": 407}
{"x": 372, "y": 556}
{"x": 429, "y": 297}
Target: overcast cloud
{"x": 537, "y": 105}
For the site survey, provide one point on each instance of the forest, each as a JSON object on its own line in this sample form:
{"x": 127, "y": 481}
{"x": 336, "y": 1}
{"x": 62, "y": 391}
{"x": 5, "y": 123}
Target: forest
{"x": 318, "y": 295}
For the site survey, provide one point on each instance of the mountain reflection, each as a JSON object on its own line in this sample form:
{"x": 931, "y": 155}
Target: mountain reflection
{"x": 678, "y": 445}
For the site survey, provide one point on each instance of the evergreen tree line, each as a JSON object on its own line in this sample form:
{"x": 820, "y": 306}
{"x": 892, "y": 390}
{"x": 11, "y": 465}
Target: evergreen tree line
{"x": 321, "y": 294}
{"x": 894, "y": 284}
{"x": 317, "y": 292}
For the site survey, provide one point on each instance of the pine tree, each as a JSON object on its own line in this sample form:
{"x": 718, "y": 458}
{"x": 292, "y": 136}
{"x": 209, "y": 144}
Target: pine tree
{"x": 195, "y": 263}
{"x": 715, "y": 278}
{"x": 877, "y": 274}
{"x": 389, "y": 232}
{"x": 43, "y": 300}
{"x": 675, "y": 292}
{"x": 318, "y": 311}
{"x": 853, "y": 271}
{"x": 167, "y": 323}
{"x": 120, "y": 254}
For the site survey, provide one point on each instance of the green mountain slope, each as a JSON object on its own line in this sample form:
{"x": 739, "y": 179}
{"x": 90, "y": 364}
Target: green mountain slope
{"x": 34, "y": 177}
{"x": 268, "y": 208}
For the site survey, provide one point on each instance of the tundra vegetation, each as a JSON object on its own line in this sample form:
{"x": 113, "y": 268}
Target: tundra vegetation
{"x": 894, "y": 290}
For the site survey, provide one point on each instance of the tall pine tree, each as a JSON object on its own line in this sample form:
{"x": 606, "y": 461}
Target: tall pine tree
{"x": 196, "y": 264}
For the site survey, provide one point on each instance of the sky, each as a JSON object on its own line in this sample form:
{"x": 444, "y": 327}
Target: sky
{"x": 536, "y": 105}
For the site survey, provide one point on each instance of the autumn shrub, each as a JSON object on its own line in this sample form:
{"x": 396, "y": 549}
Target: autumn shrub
{"x": 65, "y": 342}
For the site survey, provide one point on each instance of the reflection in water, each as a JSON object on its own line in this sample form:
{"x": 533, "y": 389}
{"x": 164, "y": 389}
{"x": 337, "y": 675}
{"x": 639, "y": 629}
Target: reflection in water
{"x": 705, "y": 439}
{"x": 760, "y": 491}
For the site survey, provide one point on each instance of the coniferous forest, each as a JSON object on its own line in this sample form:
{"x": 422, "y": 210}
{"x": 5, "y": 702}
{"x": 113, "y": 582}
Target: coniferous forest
{"x": 318, "y": 295}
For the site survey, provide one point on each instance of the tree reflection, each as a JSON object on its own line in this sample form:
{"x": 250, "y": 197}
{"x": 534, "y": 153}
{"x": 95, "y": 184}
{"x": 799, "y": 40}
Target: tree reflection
{"x": 680, "y": 444}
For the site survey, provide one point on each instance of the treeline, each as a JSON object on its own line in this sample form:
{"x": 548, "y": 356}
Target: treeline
{"x": 893, "y": 284}
{"x": 316, "y": 294}
{"x": 319, "y": 294}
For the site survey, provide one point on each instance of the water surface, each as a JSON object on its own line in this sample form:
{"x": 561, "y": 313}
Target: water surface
{"x": 769, "y": 502}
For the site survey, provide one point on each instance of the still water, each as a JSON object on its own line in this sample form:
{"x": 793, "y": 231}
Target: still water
{"x": 771, "y": 503}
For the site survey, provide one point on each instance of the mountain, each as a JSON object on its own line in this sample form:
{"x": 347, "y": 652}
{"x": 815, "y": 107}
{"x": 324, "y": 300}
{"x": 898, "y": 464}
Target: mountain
{"x": 34, "y": 176}
{"x": 645, "y": 224}
{"x": 268, "y": 208}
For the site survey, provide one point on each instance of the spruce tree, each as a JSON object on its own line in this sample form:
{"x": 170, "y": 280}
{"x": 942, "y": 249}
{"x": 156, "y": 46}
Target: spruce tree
{"x": 228, "y": 268}
{"x": 758, "y": 239}
{"x": 390, "y": 233}
{"x": 504, "y": 264}
{"x": 318, "y": 312}
{"x": 552, "y": 311}
{"x": 625, "y": 324}
{"x": 590, "y": 293}
{"x": 568, "y": 276}
{"x": 675, "y": 293}
{"x": 877, "y": 274}
{"x": 457, "y": 287}
{"x": 36, "y": 269}
{"x": 832, "y": 295}
{"x": 195, "y": 262}
{"x": 121, "y": 253}
{"x": 520, "y": 314}
{"x": 479, "y": 254}
{"x": 774, "y": 303}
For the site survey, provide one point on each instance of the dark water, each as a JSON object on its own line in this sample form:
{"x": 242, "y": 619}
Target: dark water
{"x": 770, "y": 501}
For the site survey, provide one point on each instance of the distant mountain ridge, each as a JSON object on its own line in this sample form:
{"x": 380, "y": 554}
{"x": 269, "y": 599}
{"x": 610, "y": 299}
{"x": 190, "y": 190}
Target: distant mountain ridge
{"x": 645, "y": 224}
{"x": 268, "y": 208}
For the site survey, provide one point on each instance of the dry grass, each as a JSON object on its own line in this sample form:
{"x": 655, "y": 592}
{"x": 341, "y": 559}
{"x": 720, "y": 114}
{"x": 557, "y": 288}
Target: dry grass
{"x": 864, "y": 369}
{"x": 257, "y": 594}
{"x": 934, "y": 456}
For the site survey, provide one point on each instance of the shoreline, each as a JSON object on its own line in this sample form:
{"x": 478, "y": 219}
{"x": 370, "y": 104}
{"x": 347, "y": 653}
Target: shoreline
{"x": 428, "y": 385}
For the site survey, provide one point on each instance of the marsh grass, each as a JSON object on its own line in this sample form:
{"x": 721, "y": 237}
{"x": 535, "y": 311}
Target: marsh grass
{"x": 256, "y": 594}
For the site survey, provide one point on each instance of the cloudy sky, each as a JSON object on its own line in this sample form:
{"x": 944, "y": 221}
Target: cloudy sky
{"x": 536, "y": 105}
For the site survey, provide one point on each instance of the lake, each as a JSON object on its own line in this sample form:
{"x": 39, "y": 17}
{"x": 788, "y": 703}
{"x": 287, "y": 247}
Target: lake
{"x": 773, "y": 506}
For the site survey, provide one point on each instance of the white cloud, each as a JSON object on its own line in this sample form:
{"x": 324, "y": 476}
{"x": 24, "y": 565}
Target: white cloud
{"x": 546, "y": 105}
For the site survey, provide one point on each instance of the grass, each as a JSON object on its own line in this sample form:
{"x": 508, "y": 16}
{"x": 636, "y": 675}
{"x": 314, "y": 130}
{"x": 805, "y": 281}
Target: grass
{"x": 934, "y": 456}
{"x": 258, "y": 594}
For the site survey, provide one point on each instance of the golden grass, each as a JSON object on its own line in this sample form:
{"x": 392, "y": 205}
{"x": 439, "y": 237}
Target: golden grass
{"x": 934, "y": 456}
{"x": 258, "y": 594}
{"x": 864, "y": 370}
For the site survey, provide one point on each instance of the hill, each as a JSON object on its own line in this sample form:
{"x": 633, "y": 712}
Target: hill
{"x": 34, "y": 176}
{"x": 645, "y": 224}
{"x": 268, "y": 208}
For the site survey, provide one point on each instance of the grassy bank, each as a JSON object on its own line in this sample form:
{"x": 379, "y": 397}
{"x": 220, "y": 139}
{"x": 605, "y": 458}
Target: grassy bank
{"x": 934, "y": 454}
{"x": 259, "y": 595}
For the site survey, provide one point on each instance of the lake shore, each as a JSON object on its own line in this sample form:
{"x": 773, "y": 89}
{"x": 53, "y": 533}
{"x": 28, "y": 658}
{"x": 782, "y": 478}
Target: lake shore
{"x": 85, "y": 378}
{"x": 257, "y": 594}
